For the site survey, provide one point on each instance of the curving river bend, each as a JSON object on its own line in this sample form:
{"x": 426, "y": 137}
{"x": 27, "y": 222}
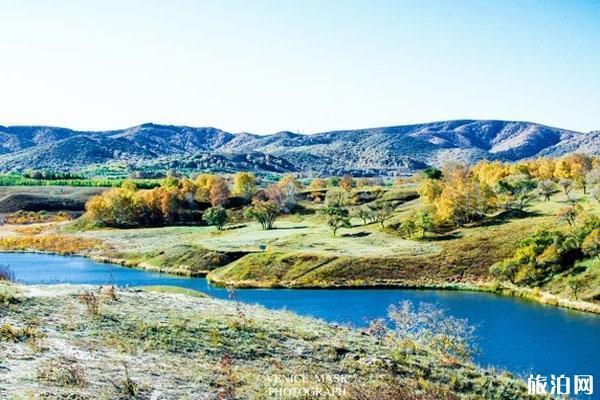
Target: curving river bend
{"x": 513, "y": 334}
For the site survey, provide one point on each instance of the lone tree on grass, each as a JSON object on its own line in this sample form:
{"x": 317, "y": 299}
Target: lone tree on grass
{"x": 265, "y": 212}
{"x": 216, "y": 216}
{"x": 338, "y": 216}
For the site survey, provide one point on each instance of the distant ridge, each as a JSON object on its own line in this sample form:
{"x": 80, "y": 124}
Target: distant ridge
{"x": 374, "y": 151}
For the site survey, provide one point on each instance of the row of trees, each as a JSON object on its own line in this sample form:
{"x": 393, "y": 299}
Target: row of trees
{"x": 459, "y": 195}
{"x": 206, "y": 198}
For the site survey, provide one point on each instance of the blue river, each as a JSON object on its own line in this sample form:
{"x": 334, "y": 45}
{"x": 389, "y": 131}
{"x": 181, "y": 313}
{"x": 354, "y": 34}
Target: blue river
{"x": 513, "y": 334}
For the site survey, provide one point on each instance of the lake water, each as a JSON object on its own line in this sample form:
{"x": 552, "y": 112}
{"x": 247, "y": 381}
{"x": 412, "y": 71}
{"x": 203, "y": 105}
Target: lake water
{"x": 513, "y": 334}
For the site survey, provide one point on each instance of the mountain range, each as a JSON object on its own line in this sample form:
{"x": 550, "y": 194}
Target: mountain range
{"x": 375, "y": 151}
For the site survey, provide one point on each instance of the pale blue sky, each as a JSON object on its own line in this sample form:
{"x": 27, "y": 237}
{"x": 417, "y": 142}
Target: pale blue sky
{"x": 308, "y": 66}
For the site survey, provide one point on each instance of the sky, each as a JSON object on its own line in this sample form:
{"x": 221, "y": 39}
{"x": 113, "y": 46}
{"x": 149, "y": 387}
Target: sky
{"x": 304, "y": 66}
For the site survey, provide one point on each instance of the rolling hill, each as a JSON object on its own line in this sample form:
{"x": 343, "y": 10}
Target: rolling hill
{"x": 374, "y": 151}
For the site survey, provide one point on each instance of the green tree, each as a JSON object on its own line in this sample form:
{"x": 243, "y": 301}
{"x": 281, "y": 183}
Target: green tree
{"x": 576, "y": 283}
{"x": 424, "y": 222}
{"x": 338, "y": 216}
{"x": 215, "y": 216}
{"x": 265, "y": 212}
{"x": 567, "y": 186}
{"x": 381, "y": 211}
{"x": 432, "y": 173}
{"x": 547, "y": 188}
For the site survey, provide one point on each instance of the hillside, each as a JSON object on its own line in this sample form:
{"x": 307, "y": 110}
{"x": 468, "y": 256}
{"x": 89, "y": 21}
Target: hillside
{"x": 375, "y": 151}
{"x": 133, "y": 344}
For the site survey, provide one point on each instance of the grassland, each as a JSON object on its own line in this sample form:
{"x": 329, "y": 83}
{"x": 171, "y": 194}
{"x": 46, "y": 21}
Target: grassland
{"x": 302, "y": 252}
{"x": 88, "y": 343}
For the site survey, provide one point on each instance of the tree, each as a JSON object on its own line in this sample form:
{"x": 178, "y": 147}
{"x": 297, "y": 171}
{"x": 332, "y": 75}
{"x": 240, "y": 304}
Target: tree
{"x": 338, "y": 215}
{"x": 216, "y": 216}
{"x": 568, "y": 215}
{"x": 546, "y": 167}
{"x": 333, "y": 181}
{"x": 347, "y": 183}
{"x": 593, "y": 177}
{"x": 219, "y": 192}
{"x": 562, "y": 169}
{"x": 365, "y": 214}
{"x": 596, "y": 193}
{"x": 408, "y": 227}
{"x": 244, "y": 184}
{"x": 567, "y": 186}
{"x": 318, "y": 183}
{"x": 523, "y": 188}
{"x": 576, "y": 284}
{"x": 591, "y": 244}
{"x": 580, "y": 166}
{"x": 265, "y": 212}
{"x": 424, "y": 222}
{"x": 381, "y": 211}
{"x": 432, "y": 173}
{"x": 547, "y": 188}
{"x": 285, "y": 193}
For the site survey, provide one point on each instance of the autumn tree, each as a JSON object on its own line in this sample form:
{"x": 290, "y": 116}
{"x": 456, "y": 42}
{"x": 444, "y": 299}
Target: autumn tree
{"x": 244, "y": 184}
{"x": 591, "y": 244}
{"x": 347, "y": 183}
{"x": 580, "y": 166}
{"x": 219, "y": 192}
{"x": 562, "y": 169}
{"x": 545, "y": 168}
{"x": 285, "y": 193}
{"x": 318, "y": 183}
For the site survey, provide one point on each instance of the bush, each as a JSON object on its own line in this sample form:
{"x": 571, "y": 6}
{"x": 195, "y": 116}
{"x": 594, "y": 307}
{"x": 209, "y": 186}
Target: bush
{"x": 432, "y": 328}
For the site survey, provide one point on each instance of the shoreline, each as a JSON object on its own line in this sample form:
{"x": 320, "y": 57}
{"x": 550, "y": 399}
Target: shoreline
{"x": 528, "y": 294}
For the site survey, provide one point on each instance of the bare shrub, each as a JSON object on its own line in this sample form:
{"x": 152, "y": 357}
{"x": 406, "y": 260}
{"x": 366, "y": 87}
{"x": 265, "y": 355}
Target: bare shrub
{"x": 110, "y": 292}
{"x": 430, "y": 327}
{"x": 91, "y": 302}
{"x": 62, "y": 371}
{"x": 227, "y": 384}
{"x": 127, "y": 388}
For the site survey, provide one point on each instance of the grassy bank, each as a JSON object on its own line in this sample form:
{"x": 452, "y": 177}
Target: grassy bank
{"x": 301, "y": 252}
{"x": 92, "y": 343}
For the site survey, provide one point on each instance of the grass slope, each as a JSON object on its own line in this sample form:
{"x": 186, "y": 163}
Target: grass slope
{"x": 171, "y": 346}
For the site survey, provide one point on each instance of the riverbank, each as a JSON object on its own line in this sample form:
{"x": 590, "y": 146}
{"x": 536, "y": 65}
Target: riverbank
{"x": 95, "y": 343}
{"x": 302, "y": 253}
